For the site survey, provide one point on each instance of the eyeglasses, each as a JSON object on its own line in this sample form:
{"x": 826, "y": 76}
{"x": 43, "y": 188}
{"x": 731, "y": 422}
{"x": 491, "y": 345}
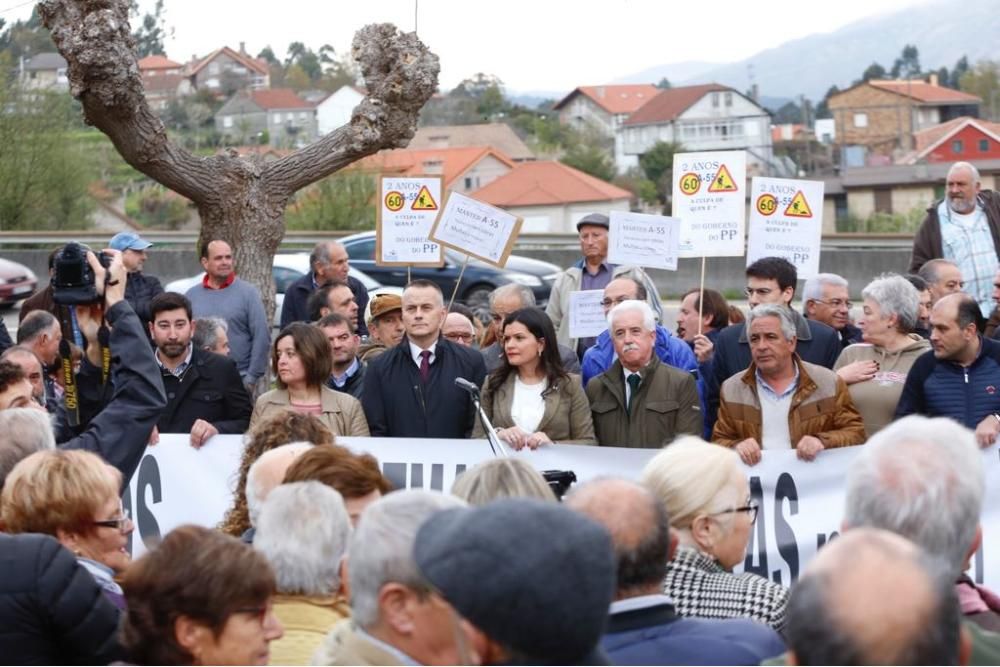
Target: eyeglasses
{"x": 120, "y": 523}
{"x": 750, "y": 508}
{"x": 459, "y": 337}
{"x": 614, "y": 302}
{"x": 834, "y": 303}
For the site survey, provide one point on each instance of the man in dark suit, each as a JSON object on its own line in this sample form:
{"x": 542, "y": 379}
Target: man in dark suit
{"x": 205, "y": 395}
{"x": 328, "y": 261}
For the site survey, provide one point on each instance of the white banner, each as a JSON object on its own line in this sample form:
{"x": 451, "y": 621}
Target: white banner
{"x": 709, "y": 196}
{"x": 586, "y": 314}
{"x": 649, "y": 241}
{"x": 409, "y": 207}
{"x": 801, "y": 504}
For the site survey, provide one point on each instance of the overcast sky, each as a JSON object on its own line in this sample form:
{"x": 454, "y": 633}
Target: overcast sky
{"x": 530, "y": 44}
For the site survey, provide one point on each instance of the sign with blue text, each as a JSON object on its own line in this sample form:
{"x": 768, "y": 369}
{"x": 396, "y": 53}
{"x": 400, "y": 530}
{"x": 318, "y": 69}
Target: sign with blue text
{"x": 709, "y": 197}
{"x": 407, "y": 210}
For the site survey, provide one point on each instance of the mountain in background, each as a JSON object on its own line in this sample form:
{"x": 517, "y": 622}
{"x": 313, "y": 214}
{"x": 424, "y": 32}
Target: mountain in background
{"x": 942, "y": 31}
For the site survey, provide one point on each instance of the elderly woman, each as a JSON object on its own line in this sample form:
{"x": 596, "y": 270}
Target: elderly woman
{"x": 707, "y": 497}
{"x": 303, "y": 531}
{"x": 269, "y": 433}
{"x": 876, "y": 369}
{"x": 199, "y": 598}
{"x": 501, "y": 478}
{"x": 530, "y": 399}
{"x": 73, "y": 496}
{"x": 302, "y": 363}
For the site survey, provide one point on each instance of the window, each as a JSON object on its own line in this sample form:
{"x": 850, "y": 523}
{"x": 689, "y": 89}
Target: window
{"x": 213, "y": 68}
{"x": 362, "y": 250}
{"x": 715, "y": 100}
{"x": 227, "y": 121}
{"x": 984, "y": 145}
{"x": 276, "y": 117}
{"x": 860, "y": 120}
{"x": 883, "y": 200}
{"x": 956, "y": 146}
{"x": 468, "y": 182}
{"x": 729, "y": 99}
{"x": 283, "y": 278}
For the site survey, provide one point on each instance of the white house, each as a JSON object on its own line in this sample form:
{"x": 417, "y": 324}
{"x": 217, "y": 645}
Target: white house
{"x": 335, "y": 109}
{"x": 708, "y": 117}
{"x": 605, "y": 108}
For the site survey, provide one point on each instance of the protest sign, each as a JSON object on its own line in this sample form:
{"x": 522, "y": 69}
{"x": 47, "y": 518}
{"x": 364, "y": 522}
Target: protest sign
{"x": 786, "y": 220}
{"x": 801, "y": 503}
{"x": 643, "y": 240}
{"x": 586, "y": 314}
{"x": 709, "y": 197}
{"x": 477, "y": 229}
{"x": 407, "y": 210}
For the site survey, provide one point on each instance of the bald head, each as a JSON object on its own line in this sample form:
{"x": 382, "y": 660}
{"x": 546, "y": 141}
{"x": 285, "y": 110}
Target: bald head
{"x": 267, "y": 472}
{"x": 845, "y": 609}
{"x": 956, "y": 322}
{"x": 639, "y": 528}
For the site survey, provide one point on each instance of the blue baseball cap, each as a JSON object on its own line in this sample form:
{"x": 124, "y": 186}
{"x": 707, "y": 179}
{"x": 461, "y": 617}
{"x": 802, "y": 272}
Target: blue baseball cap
{"x": 128, "y": 241}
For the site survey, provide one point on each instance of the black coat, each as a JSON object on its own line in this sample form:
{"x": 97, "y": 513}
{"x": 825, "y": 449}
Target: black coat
{"x": 355, "y": 384}
{"x": 398, "y": 404}
{"x": 52, "y": 612}
{"x": 295, "y": 306}
{"x": 211, "y": 389}
{"x": 139, "y": 291}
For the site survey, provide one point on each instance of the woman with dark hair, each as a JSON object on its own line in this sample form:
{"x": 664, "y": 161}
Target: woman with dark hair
{"x": 200, "y": 598}
{"x": 530, "y": 399}
{"x": 302, "y": 364}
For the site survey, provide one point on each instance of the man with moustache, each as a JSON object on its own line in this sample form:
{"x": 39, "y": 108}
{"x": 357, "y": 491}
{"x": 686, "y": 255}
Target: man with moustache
{"x": 963, "y": 228}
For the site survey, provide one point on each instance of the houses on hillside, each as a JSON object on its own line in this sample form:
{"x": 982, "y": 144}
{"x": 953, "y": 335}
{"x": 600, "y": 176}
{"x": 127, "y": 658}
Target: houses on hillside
{"x": 604, "y": 109}
{"x": 286, "y": 118}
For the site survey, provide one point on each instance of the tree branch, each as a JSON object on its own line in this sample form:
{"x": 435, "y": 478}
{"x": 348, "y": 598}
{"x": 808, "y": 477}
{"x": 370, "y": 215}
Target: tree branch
{"x": 95, "y": 39}
{"x": 401, "y": 75}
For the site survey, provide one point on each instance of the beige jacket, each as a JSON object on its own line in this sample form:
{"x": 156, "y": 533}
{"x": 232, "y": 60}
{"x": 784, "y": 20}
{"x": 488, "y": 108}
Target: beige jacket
{"x": 566, "y": 417}
{"x": 343, "y": 646}
{"x": 342, "y": 414}
{"x": 306, "y": 621}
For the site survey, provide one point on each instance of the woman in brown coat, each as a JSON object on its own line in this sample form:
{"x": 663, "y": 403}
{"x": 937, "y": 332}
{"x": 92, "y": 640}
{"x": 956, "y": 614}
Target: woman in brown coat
{"x": 530, "y": 399}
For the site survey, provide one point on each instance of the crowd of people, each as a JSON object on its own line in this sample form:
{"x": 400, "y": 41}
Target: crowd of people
{"x": 320, "y": 561}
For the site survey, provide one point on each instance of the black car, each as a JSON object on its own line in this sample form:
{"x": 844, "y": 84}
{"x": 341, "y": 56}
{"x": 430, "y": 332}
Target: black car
{"x": 478, "y": 281}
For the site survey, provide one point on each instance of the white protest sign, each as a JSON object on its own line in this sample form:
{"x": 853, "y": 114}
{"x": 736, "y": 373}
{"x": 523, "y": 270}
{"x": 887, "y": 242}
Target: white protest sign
{"x": 477, "y": 229}
{"x": 643, "y": 240}
{"x": 709, "y": 197}
{"x": 786, "y": 220}
{"x": 586, "y": 314}
{"x": 801, "y": 504}
{"x": 407, "y": 210}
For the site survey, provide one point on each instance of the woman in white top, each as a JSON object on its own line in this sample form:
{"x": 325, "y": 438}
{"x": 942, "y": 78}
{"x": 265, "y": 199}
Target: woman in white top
{"x": 530, "y": 399}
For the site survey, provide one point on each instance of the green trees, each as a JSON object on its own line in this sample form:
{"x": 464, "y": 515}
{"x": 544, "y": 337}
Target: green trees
{"x": 983, "y": 79}
{"x": 345, "y": 200}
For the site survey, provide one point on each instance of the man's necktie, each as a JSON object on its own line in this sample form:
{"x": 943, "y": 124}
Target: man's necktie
{"x": 425, "y": 365}
{"x": 633, "y": 384}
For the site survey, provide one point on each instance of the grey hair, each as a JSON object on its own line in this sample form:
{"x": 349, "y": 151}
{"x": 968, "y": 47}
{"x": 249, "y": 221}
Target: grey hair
{"x": 929, "y": 270}
{"x": 23, "y": 431}
{"x": 921, "y": 478}
{"x": 35, "y": 324}
{"x": 505, "y": 477}
{"x": 783, "y": 313}
{"x": 895, "y": 295}
{"x": 303, "y": 530}
{"x": 522, "y": 292}
{"x": 206, "y": 332}
{"x": 381, "y": 549}
{"x": 256, "y": 491}
{"x": 633, "y": 306}
{"x": 965, "y": 165}
{"x": 813, "y": 288}
{"x": 321, "y": 253}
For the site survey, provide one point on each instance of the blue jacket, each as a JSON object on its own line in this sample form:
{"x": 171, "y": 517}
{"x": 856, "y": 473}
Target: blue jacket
{"x": 945, "y": 389}
{"x": 658, "y": 636}
{"x": 670, "y": 349}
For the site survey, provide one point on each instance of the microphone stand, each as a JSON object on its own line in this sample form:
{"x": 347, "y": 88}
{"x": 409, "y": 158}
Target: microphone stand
{"x": 496, "y": 444}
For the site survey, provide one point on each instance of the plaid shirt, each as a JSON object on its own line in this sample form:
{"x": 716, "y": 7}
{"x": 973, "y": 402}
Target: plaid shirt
{"x": 971, "y": 248}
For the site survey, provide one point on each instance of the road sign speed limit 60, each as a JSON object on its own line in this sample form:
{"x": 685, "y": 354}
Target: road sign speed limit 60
{"x": 690, "y": 183}
{"x": 767, "y": 204}
{"x": 394, "y": 200}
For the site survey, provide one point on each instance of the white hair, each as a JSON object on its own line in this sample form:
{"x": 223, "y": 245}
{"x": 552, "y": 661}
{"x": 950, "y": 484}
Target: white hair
{"x": 23, "y": 431}
{"x": 813, "y": 288}
{"x": 633, "y": 306}
{"x": 267, "y": 472}
{"x": 895, "y": 295}
{"x": 303, "y": 530}
{"x": 965, "y": 165}
{"x": 783, "y": 313}
{"x": 381, "y": 549}
{"x": 921, "y": 478}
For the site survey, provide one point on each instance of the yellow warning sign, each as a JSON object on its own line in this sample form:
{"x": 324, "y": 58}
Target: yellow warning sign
{"x": 424, "y": 201}
{"x": 690, "y": 183}
{"x": 767, "y": 204}
{"x": 798, "y": 207}
{"x": 394, "y": 201}
{"x": 723, "y": 181}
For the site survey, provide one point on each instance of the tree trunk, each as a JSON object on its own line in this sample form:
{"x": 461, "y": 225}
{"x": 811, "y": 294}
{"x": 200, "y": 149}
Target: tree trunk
{"x": 240, "y": 200}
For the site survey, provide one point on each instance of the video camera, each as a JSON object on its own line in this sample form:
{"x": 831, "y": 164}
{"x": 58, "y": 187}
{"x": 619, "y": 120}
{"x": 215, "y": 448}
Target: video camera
{"x": 73, "y": 279}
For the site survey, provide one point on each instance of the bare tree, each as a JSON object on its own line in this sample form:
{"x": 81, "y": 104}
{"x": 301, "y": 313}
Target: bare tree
{"x": 240, "y": 200}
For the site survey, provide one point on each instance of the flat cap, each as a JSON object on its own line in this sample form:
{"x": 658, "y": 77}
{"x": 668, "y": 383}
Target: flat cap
{"x": 598, "y": 219}
{"x": 383, "y": 303}
{"x": 533, "y": 576}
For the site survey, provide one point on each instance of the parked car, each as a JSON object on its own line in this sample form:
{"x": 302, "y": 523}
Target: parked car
{"x": 478, "y": 281}
{"x": 287, "y": 268}
{"x": 16, "y": 282}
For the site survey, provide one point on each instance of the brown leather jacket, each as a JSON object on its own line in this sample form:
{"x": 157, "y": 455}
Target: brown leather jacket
{"x": 821, "y": 407}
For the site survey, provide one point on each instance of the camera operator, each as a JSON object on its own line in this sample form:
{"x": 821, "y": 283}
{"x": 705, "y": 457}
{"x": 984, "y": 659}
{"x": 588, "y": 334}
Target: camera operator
{"x": 120, "y": 431}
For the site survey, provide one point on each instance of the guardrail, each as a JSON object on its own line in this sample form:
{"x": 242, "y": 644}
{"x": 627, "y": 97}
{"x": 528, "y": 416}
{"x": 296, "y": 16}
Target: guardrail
{"x": 304, "y": 240}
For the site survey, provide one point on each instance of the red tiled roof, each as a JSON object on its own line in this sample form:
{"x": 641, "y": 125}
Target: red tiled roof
{"x": 450, "y": 163}
{"x": 547, "y": 183}
{"x": 162, "y": 83}
{"x": 615, "y": 98}
{"x": 922, "y": 91}
{"x": 930, "y": 137}
{"x": 157, "y": 62}
{"x": 251, "y": 63}
{"x": 671, "y": 103}
{"x": 278, "y": 98}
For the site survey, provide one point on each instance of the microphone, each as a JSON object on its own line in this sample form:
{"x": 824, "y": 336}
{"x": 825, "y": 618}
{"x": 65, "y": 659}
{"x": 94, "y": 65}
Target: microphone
{"x": 470, "y": 387}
